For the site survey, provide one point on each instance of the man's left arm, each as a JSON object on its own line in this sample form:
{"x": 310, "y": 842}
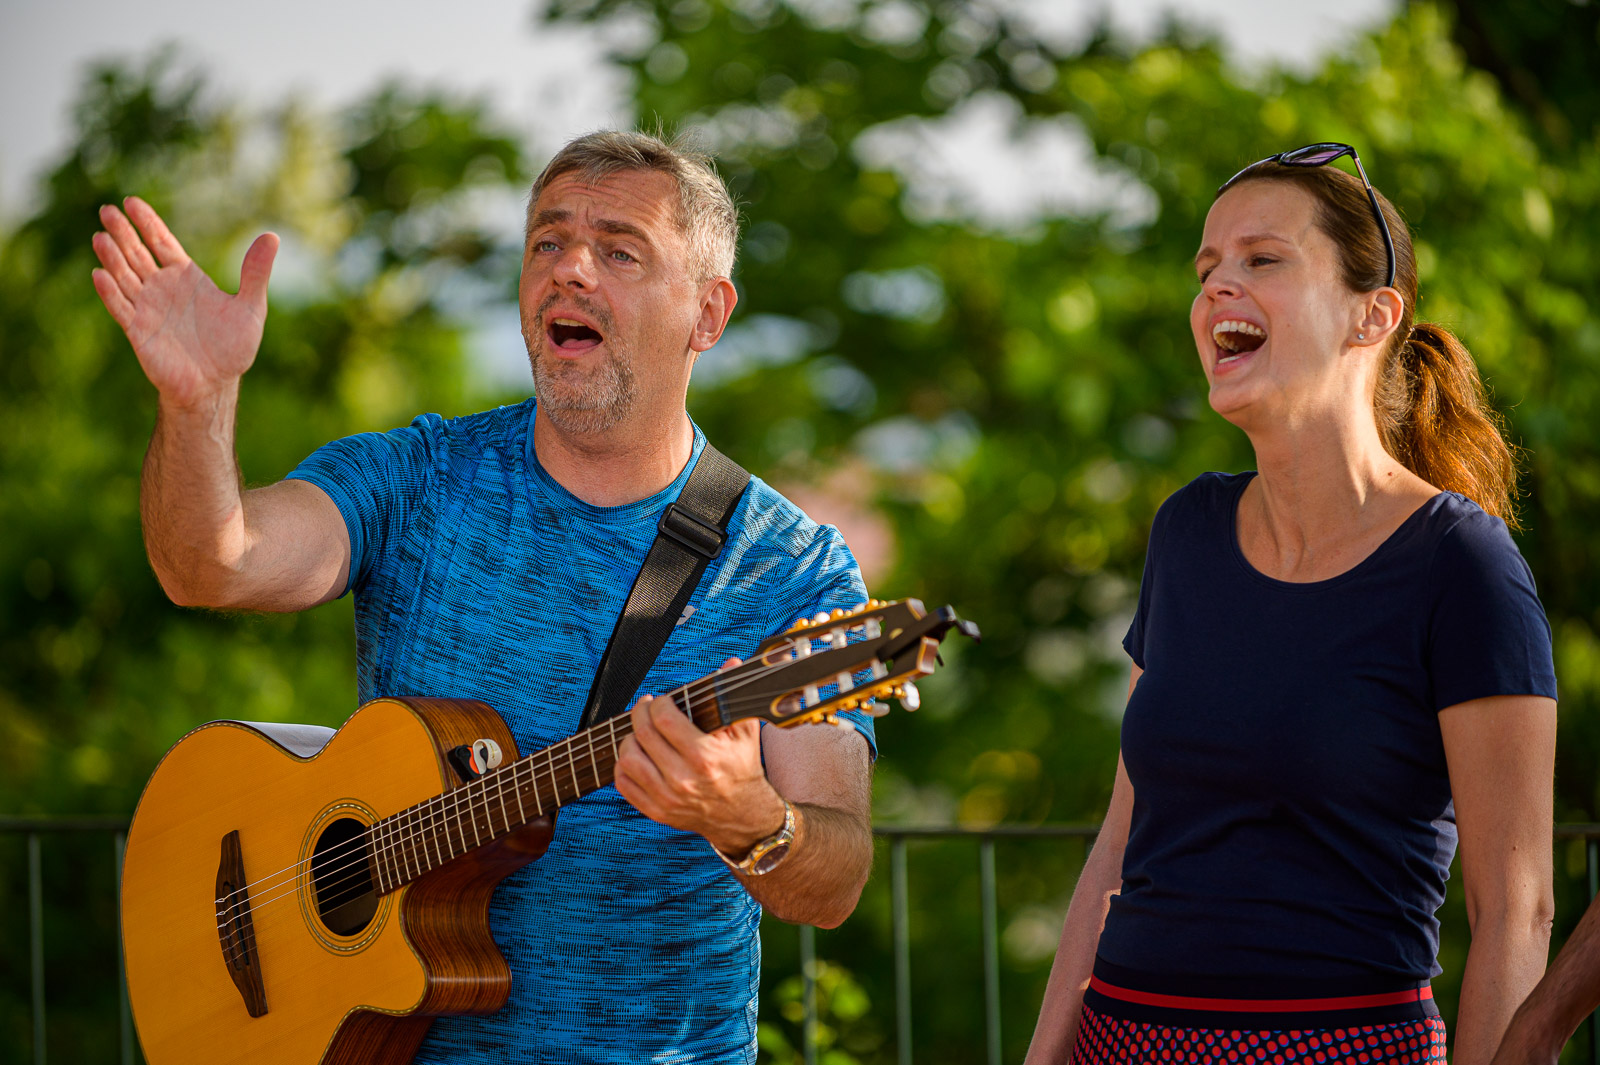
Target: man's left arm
{"x": 714, "y": 784}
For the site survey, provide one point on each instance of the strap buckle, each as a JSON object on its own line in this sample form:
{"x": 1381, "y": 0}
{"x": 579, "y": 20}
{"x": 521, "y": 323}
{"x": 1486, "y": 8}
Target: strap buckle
{"x": 701, "y": 537}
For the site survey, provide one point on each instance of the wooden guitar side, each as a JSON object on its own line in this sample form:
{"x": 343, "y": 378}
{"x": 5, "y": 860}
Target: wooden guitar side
{"x": 368, "y": 997}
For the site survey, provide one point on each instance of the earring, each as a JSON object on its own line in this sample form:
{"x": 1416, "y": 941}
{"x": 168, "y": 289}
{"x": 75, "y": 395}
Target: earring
{"x": 1361, "y": 336}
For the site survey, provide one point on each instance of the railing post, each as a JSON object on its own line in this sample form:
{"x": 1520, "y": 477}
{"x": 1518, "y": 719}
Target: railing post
{"x": 36, "y": 941}
{"x": 1591, "y": 861}
{"x": 808, "y": 979}
{"x": 902, "y": 948}
{"x": 119, "y": 842}
{"x": 991, "y": 949}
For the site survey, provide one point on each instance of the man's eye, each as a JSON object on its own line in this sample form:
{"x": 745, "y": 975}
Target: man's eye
{"x": 622, "y": 256}
{"x": 544, "y": 245}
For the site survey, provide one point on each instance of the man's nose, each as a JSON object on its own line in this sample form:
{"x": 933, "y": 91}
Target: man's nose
{"x": 575, "y": 266}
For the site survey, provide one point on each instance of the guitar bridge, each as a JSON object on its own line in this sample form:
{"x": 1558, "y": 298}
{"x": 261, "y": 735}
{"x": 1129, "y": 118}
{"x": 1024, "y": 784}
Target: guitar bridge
{"x": 236, "y": 930}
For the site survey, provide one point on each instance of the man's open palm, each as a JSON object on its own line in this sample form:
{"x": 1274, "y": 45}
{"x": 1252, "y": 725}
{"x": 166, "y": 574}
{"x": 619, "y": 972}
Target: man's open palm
{"x": 193, "y": 339}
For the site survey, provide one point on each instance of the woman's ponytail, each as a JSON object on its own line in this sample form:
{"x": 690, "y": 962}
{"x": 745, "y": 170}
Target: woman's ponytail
{"x": 1435, "y": 418}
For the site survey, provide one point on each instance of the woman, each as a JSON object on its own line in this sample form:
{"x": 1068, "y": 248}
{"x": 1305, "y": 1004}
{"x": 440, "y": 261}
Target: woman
{"x": 1339, "y": 662}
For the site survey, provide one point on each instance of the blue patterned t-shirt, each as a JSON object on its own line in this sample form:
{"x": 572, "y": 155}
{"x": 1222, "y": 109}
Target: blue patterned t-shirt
{"x": 477, "y": 576}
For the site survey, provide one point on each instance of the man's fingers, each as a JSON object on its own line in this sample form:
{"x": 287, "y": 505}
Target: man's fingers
{"x": 110, "y": 256}
{"x": 658, "y": 733}
{"x": 257, "y": 268}
{"x": 111, "y": 295}
{"x": 155, "y": 232}
{"x": 133, "y": 250}
{"x": 637, "y": 777}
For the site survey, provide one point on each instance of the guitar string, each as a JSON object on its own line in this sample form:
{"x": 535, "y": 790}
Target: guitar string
{"x": 461, "y": 803}
{"x": 537, "y": 777}
{"x": 459, "y": 809}
{"x": 688, "y": 690}
{"x": 446, "y": 810}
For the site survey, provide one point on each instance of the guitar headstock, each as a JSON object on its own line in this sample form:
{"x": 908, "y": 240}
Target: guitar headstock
{"x": 840, "y": 661}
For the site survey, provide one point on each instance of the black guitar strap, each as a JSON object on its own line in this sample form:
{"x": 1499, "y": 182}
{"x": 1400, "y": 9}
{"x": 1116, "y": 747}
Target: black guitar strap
{"x": 690, "y": 534}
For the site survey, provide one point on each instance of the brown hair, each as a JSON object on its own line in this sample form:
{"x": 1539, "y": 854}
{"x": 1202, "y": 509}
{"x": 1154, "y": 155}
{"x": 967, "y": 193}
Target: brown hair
{"x": 706, "y": 214}
{"x": 1432, "y": 410}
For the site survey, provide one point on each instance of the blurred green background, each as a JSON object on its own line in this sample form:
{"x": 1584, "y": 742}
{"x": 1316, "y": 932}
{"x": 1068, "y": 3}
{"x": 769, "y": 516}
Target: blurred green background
{"x": 992, "y": 404}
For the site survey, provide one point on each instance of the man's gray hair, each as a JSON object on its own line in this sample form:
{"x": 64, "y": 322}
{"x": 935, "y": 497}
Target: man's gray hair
{"x": 706, "y": 214}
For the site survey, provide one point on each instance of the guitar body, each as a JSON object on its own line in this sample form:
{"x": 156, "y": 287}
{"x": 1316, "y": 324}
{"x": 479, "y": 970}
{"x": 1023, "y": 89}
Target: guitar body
{"x": 333, "y": 974}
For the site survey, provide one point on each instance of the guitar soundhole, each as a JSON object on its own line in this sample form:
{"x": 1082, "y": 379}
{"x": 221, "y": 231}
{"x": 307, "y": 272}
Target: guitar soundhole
{"x": 342, "y": 874}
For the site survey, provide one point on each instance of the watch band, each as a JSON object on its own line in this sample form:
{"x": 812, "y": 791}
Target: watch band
{"x": 767, "y": 854}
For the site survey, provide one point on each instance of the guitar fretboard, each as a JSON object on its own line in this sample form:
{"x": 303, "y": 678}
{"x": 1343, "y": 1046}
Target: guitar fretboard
{"x": 423, "y": 837}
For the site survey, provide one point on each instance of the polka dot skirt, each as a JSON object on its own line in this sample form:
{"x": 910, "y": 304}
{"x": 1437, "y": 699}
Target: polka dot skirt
{"x": 1106, "y": 1040}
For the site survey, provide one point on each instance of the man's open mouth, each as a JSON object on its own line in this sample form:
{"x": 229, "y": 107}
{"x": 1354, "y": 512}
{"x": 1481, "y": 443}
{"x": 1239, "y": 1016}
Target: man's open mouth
{"x": 1235, "y": 338}
{"x": 568, "y": 334}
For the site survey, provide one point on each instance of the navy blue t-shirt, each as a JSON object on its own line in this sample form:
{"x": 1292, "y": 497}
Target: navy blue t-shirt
{"x": 1292, "y": 816}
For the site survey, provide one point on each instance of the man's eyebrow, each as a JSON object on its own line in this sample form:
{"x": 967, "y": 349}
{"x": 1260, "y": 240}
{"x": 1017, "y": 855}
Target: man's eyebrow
{"x": 625, "y": 229}
{"x": 616, "y": 226}
{"x": 550, "y": 215}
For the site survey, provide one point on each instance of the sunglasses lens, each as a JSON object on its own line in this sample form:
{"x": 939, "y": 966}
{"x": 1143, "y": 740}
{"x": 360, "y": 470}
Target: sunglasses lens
{"x": 1315, "y": 155}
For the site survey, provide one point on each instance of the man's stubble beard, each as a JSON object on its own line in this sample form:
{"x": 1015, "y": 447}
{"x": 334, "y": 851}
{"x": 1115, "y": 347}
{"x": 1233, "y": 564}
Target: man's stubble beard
{"x": 575, "y": 401}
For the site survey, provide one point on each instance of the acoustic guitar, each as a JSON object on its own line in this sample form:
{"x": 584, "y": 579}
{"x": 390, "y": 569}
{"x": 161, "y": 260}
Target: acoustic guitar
{"x": 298, "y": 896}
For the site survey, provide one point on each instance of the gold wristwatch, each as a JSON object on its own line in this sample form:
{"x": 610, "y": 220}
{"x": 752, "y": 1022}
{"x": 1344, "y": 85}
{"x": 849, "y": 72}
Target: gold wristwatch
{"x": 767, "y": 854}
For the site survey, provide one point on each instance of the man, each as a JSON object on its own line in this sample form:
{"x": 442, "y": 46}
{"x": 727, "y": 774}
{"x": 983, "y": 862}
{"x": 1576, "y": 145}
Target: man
{"x": 490, "y": 556}
{"x": 1569, "y": 992}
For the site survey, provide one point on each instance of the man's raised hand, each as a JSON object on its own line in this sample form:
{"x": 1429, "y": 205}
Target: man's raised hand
{"x": 193, "y": 340}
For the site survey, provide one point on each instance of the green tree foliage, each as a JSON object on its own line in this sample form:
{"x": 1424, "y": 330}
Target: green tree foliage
{"x": 1022, "y": 398}
{"x": 101, "y": 673}
{"x": 1012, "y": 397}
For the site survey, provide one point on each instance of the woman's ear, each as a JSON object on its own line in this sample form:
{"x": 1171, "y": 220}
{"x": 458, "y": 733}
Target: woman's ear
{"x": 1382, "y": 315}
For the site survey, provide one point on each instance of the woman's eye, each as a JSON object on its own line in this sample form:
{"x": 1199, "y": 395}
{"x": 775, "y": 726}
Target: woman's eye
{"x": 1205, "y": 274}
{"x": 1261, "y": 260}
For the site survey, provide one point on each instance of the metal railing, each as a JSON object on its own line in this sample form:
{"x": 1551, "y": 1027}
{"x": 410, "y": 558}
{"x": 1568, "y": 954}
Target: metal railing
{"x": 34, "y": 828}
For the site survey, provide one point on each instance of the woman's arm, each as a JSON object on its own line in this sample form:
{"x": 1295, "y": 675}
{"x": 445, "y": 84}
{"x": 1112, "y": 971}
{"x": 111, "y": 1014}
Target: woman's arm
{"x": 1501, "y": 754}
{"x": 1101, "y": 878}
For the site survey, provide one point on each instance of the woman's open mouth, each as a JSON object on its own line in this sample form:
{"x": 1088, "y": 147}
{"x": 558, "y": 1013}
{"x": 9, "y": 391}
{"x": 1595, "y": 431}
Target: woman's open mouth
{"x": 1235, "y": 339}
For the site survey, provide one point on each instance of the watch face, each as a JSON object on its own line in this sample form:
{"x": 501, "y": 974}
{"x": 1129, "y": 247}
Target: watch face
{"x": 769, "y": 861}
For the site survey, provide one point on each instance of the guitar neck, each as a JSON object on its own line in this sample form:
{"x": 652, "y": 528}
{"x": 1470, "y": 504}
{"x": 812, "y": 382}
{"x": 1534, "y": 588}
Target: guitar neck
{"x": 423, "y": 837}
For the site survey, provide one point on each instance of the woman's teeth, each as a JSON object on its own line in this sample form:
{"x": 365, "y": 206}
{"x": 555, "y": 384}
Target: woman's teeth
{"x": 1237, "y": 338}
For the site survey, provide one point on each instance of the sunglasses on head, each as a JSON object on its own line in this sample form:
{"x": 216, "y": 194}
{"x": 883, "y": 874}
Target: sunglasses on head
{"x": 1321, "y": 155}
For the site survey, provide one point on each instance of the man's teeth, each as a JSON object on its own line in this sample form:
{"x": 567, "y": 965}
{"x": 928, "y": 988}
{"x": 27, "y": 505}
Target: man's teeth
{"x": 567, "y": 321}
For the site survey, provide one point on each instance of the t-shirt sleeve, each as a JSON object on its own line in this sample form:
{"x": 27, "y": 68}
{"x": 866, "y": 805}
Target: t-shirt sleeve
{"x": 376, "y": 480}
{"x": 825, "y": 578}
{"x": 1488, "y": 634}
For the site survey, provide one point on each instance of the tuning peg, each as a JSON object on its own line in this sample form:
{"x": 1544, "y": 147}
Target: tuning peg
{"x": 910, "y": 698}
{"x": 873, "y": 708}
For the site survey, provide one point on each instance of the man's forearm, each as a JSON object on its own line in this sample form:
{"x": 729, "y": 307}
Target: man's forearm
{"x": 1569, "y": 992}
{"x": 821, "y": 879}
{"x": 190, "y": 500}
{"x": 1503, "y": 964}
